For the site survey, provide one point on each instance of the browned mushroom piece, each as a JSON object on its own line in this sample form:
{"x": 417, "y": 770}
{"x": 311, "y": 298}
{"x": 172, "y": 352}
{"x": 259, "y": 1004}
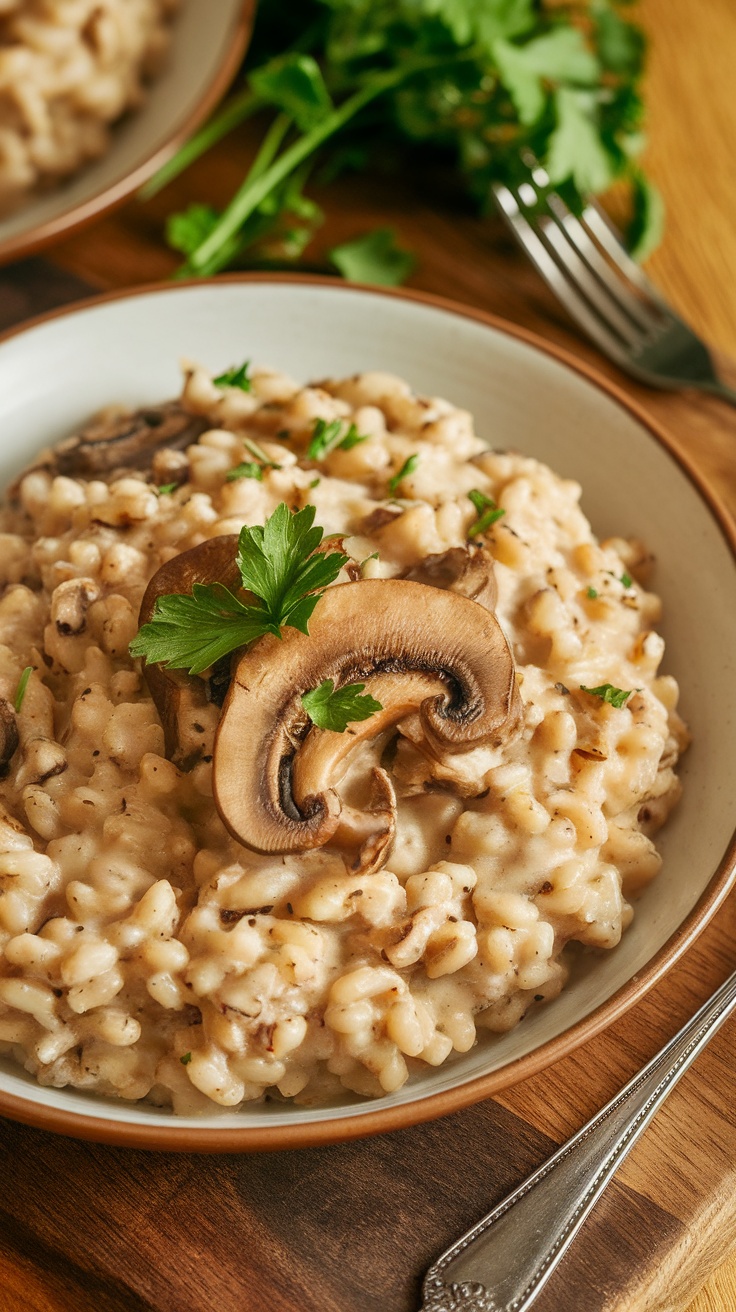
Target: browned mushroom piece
{"x": 180, "y": 697}
{"x": 127, "y": 441}
{"x": 367, "y": 834}
{"x": 8, "y": 735}
{"x": 416, "y": 648}
{"x": 467, "y": 570}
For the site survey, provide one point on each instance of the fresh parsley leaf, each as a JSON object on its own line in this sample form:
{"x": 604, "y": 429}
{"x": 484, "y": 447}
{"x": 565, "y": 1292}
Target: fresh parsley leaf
{"x": 592, "y": 593}
{"x": 375, "y": 258}
{"x": 314, "y": 483}
{"x": 335, "y": 709}
{"x": 329, "y": 437}
{"x": 166, "y": 488}
{"x": 235, "y": 377}
{"x": 469, "y": 21}
{"x": 278, "y": 563}
{"x": 607, "y": 693}
{"x": 626, "y": 580}
{"x": 185, "y": 1060}
{"x": 325, "y": 437}
{"x": 558, "y": 56}
{"x": 20, "y": 691}
{"x": 186, "y": 231}
{"x": 294, "y": 83}
{"x": 576, "y": 149}
{"x": 195, "y": 630}
{"x": 488, "y": 512}
{"x": 248, "y": 469}
{"x": 621, "y": 46}
{"x": 647, "y": 221}
{"x": 407, "y": 468}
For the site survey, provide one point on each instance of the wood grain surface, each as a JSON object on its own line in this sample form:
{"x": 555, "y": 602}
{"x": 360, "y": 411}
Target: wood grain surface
{"x": 351, "y": 1228}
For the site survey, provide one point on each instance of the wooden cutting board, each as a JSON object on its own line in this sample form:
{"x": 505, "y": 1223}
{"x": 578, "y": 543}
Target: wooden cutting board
{"x": 352, "y": 1228}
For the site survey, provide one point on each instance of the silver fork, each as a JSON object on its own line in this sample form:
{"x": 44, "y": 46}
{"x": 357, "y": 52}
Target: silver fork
{"x": 584, "y": 262}
{"x": 504, "y": 1262}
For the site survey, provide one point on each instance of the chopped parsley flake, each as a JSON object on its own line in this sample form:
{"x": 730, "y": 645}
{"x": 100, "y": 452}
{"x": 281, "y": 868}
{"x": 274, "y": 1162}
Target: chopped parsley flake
{"x": 626, "y": 580}
{"x": 407, "y": 468}
{"x": 592, "y": 593}
{"x": 327, "y": 437}
{"x": 248, "y": 469}
{"x": 22, "y": 685}
{"x": 235, "y": 377}
{"x": 167, "y": 488}
{"x": 487, "y": 510}
{"x": 607, "y": 693}
{"x": 185, "y": 1060}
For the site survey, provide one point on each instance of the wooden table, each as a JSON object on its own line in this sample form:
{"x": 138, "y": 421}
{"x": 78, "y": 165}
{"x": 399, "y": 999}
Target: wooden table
{"x": 347, "y": 1229}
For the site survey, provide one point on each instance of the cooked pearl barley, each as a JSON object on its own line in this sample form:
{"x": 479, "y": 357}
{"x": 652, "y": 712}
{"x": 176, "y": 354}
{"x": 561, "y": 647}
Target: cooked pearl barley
{"x": 142, "y": 950}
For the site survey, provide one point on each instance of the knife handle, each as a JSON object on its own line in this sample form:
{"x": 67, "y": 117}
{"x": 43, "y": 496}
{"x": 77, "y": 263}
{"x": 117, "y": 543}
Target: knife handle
{"x": 503, "y": 1263}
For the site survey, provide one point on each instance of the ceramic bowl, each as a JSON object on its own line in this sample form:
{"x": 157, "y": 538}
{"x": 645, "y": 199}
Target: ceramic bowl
{"x": 524, "y": 394}
{"x": 207, "y": 45}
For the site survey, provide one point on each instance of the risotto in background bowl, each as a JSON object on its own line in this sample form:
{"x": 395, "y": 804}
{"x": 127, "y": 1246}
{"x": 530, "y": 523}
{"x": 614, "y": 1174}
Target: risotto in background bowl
{"x": 97, "y": 97}
{"x": 406, "y": 960}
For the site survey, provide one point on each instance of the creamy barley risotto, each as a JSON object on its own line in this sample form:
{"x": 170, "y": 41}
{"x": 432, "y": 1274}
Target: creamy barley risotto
{"x": 68, "y": 70}
{"x": 328, "y": 859}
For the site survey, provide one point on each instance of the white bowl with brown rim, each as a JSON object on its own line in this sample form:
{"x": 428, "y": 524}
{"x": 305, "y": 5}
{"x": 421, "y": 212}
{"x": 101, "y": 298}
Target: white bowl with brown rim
{"x": 208, "y": 42}
{"x": 524, "y": 394}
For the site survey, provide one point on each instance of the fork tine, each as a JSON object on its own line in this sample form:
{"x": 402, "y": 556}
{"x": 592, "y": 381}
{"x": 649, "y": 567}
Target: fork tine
{"x": 595, "y": 223}
{"x": 646, "y": 313}
{"x": 609, "y": 298}
{"x": 604, "y": 231}
{"x": 555, "y": 275}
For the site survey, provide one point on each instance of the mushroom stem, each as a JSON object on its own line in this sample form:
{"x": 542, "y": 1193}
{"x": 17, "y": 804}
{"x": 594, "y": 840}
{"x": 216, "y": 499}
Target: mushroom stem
{"x": 415, "y": 647}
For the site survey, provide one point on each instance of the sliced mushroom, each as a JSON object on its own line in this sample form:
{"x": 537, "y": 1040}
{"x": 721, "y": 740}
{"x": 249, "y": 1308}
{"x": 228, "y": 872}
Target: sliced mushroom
{"x": 129, "y": 440}
{"x": 180, "y": 697}
{"x": 416, "y": 648}
{"x": 8, "y": 735}
{"x": 467, "y": 570}
{"x": 370, "y": 831}
{"x": 70, "y": 602}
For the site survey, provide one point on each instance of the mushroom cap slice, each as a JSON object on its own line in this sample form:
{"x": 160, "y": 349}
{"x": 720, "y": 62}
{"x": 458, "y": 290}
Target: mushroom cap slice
{"x": 128, "y": 440}
{"x": 467, "y": 570}
{"x": 414, "y": 647}
{"x": 9, "y": 738}
{"x": 180, "y": 697}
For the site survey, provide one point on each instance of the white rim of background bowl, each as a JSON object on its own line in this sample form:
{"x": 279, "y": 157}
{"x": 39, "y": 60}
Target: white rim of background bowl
{"x": 105, "y": 1120}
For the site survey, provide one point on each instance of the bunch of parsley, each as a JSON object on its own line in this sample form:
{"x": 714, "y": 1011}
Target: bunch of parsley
{"x": 477, "y": 82}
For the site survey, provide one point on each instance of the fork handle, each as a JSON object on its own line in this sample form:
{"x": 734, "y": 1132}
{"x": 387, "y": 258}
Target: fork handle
{"x": 717, "y": 388}
{"x": 502, "y": 1264}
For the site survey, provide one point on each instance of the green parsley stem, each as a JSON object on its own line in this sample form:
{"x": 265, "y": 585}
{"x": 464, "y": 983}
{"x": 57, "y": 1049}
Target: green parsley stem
{"x": 259, "y": 453}
{"x": 236, "y": 110}
{"x": 253, "y": 191}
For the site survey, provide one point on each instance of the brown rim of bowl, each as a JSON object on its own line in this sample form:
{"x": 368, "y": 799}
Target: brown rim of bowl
{"x": 235, "y": 43}
{"x": 380, "y": 1120}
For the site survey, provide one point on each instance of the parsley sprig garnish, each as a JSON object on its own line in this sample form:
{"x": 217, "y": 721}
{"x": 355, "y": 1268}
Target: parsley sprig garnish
{"x": 343, "y": 84}
{"x": 331, "y": 708}
{"x": 327, "y": 437}
{"x": 278, "y": 563}
{"x": 487, "y": 510}
{"x": 607, "y": 693}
